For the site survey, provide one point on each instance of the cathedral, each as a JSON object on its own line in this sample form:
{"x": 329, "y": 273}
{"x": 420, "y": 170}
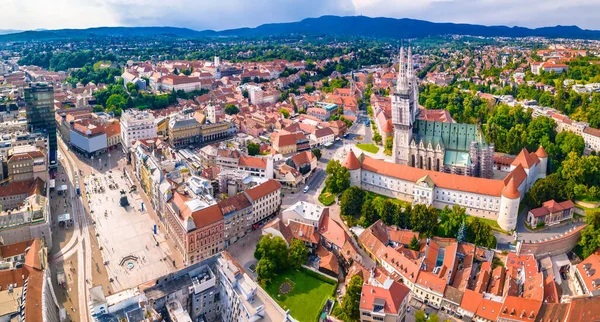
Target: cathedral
{"x": 432, "y": 145}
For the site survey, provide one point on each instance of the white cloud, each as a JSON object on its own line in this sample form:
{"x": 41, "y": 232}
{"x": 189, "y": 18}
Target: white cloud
{"x": 224, "y": 14}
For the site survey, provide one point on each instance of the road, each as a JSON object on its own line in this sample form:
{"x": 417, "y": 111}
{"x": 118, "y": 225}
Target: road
{"x": 80, "y": 241}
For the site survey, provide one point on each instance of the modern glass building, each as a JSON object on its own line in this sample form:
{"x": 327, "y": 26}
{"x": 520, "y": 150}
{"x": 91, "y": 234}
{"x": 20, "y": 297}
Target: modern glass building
{"x": 39, "y": 98}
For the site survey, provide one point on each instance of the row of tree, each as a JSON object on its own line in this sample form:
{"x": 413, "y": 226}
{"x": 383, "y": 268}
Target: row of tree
{"x": 274, "y": 256}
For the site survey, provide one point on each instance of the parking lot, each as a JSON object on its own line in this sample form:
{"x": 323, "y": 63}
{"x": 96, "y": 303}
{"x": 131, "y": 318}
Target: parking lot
{"x": 130, "y": 248}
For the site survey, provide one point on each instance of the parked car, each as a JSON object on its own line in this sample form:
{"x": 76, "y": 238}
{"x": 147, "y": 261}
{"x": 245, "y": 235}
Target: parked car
{"x": 563, "y": 275}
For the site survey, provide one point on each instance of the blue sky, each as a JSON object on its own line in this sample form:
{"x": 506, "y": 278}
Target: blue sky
{"x": 226, "y": 14}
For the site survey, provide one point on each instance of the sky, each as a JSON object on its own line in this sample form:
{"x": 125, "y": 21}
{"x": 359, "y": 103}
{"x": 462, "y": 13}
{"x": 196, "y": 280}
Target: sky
{"x": 228, "y": 14}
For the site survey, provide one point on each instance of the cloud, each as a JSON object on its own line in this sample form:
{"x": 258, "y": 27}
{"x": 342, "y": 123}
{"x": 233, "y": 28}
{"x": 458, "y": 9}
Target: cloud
{"x": 225, "y": 14}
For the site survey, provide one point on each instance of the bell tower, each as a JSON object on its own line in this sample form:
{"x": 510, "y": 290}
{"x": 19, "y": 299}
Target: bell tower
{"x": 403, "y": 110}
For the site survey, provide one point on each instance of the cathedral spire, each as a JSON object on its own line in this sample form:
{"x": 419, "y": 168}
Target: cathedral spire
{"x": 409, "y": 62}
{"x": 402, "y": 83}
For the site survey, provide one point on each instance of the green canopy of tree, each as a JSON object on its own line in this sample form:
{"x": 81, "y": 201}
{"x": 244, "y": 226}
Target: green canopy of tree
{"x": 298, "y": 253}
{"x": 285, "y": 113}
{"x": 424, "y": 219}
{"x": 452, "y": 219}
{"x": 590, "y": 235}
{"x": 253, "y": 148}
{"x": 338, "y": 177}
{"x": 480, "y": 234}
{"x": 351, "y": 301}
{"x": 317, "y": 153}
{"x": 231, "y": 109}
{"x": 351, "y": 201}
{"x": 414, "y": 244}
{"x": 272, "y": 255}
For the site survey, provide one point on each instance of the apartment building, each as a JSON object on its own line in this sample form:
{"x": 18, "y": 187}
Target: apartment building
{"x": 265, "y": 199}
{"x": 387, "y": 303}
{"x": 136, "y": 125}
{"x": 26, "y": 163}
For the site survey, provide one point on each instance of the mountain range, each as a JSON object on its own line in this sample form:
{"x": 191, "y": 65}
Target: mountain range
{"x": 350, "y": 26}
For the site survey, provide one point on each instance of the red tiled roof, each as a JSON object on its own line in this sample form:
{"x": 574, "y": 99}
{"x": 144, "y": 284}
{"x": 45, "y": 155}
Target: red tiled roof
{"x": 511, "y": 190}
{"x": 351, "y": 162}
{"x": 526, "y": 159}
{"x": 303, "y": 232}
{"x": 253, "y": 162}
{"x": 443, "y": 180}
{"x": 471, "y": 300}
{"x": 489, "y": 309}
{"x": 431, "y": 281}
{"x": 263, "y": 189}
{"x": 520, "y": 309}
{"x": 207, "y": 216}
{"x": 328, "y": 261}
{"x": 584, "y": 310}
{"x": 392, "y": 297}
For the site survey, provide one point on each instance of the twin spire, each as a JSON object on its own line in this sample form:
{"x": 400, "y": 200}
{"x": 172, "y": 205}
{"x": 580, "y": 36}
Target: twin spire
{"x": 405, "y": 71}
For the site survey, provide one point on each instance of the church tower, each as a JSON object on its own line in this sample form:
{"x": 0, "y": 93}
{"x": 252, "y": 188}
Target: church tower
{"x": 403, "y": 110}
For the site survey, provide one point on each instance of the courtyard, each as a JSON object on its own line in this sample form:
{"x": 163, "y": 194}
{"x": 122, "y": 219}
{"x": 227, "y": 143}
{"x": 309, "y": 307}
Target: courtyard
{"x": 131, "y": 252}
{"x": 301, "y": 292}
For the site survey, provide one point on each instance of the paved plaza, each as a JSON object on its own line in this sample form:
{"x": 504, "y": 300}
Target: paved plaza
{"x": 133, "y": 254}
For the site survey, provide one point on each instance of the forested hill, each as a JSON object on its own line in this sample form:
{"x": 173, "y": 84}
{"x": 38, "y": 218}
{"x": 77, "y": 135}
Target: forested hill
{"x": 352, "y": 26}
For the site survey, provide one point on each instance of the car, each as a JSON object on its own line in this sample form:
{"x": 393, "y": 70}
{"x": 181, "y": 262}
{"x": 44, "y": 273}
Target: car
{"x": 563, "y": 275}
{"x": 305, "y": 190}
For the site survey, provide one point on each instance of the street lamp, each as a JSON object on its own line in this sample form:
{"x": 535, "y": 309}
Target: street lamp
{"x": 92, "y": 157}
{"x": 109, "y": 161}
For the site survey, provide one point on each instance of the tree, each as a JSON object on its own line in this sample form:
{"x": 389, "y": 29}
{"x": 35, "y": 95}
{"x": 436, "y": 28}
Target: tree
{"x": 338, "y": 178}
{"x": 424, "y": 219}
{"x": 273, "y": 249}
{"x": 553, "y": 187}
{"x": 298, "y": 253}
{"x": 265, "y": 269}
{"x": 480, "y": 233}
{"x": 377, "y": 138}
{"x": 253, "y": 148}
{"x": 414, "y": 244}
{"x": 590, "y": 235}
{"x": 231, "y": 109}
{"x": 351, "y": 301}
{"x": 317, "y": 153}
{"x": 285, "y": 112}
{"x": 351, "y": 201}
{"x": 462, "y": 233}
{"x": 420, "y": 316}
{"x": 388, "y": 212}
{"x": 368, "y": 214}
{"x": 452, "y": 219}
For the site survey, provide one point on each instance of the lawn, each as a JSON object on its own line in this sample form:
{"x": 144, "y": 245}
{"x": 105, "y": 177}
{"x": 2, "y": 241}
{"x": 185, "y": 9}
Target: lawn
{"x": 372, "y": 195}
{"x": 307, "y": 296}
{"x": 586, "y": 198}
{"x": 369, "y": 147}
{"x": 327, "y": 198}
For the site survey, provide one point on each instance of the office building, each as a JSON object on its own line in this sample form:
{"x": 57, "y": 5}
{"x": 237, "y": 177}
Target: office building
{"x": 39, "y": 99}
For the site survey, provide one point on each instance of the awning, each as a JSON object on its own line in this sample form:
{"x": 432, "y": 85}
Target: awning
{"x": 64, "y": 217}
{"x": 62, "y": 188}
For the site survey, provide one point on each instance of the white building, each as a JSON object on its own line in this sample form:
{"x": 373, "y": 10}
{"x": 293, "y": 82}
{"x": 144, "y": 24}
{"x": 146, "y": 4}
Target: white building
{"x": 323, "y": 136}
{"x": 265, "y": 199}
{"x": 488, "y": 198}
{"x": 136, "y": 125}
{"x": 305, "y": 213}
{"x": 591, "y": 137}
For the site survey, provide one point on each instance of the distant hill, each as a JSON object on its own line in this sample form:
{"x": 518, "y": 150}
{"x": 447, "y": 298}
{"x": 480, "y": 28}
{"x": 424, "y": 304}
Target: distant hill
{"x": 9, "y": 31}
{"x": 326, "y": 25}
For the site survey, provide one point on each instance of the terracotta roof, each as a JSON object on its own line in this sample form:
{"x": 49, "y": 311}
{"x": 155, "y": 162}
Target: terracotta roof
{"x": 14, "y": 249}
{"x": 526, "y": 159}
{"x": 551, "y": 290}
{"x": 554, "y": 312}
{"x": 263, "y": 189}
{"x": 511, "y": 191}
{"x": 541, "y": 153}
{"x": 520, "y": 309}
{"x": 444, "y": 180}
{"x": 432, "y": 282}
{"x": 303, "y": 232}
{"x": 526, "y": 262}
{"x": 391, "y": 299}
{"x": 253, "y": 162}
{"x": 351, "y": 162}
{"x": 589, "y": 270}
{"x": 16, "y": 188}
{"x": 235, "y": 203}
{"x": 453, "y": 294}
{"x": 584, "y": 309}
{"x": 207, "y": 216}
{"x": 331, "y": 230}
{"x": 327, "y": 260}
{"x": 406, "y": 267}
{"x": 319, "y": 133}
{"x": 471, "y": 300}
{"x": 32, "y": 258}
{"x": 33, "y": 300}
{"x": 303, "y": 158}
{"x": 489, "y": 309}
{"x": 496, "y": 285}
{"x": 483, "y": 278}
{"x": 402, "y": 236}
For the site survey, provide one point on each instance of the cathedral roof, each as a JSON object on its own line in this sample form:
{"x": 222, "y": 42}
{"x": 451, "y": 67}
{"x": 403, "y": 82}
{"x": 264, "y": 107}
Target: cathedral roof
{"x": 351, "y": 162}
{"x": 388, "y": 127}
